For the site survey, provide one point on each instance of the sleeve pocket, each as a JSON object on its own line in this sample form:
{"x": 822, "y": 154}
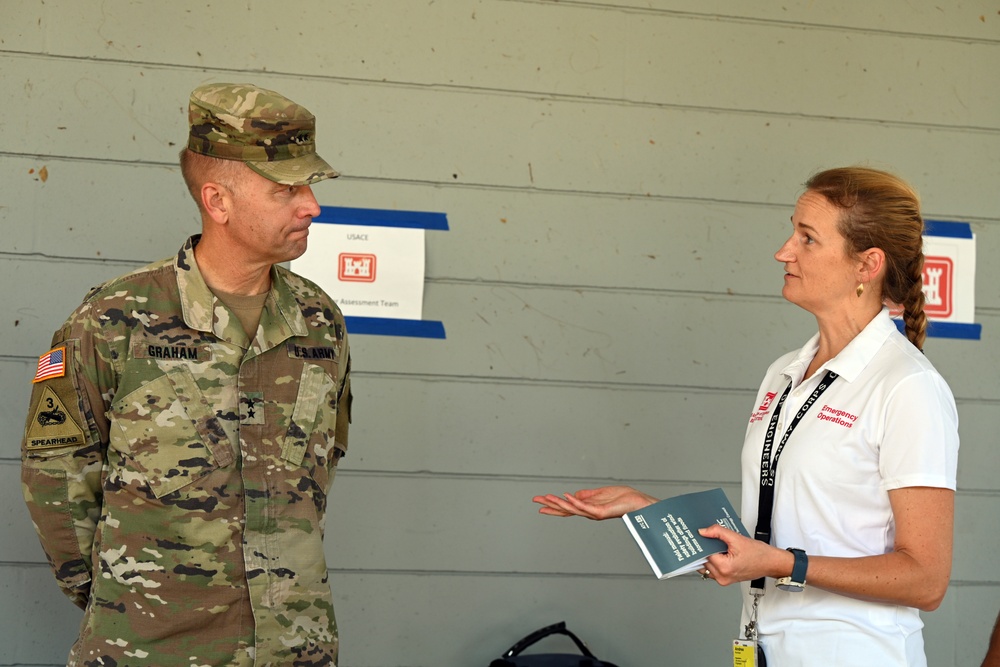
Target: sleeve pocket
{"x": 47, "y": 496}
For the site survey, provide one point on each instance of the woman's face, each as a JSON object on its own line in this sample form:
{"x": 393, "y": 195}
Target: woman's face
{"x": 819, "y": 273}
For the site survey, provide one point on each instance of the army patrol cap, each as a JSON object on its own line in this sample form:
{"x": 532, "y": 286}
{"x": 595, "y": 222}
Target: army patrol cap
{"x": 273, "y": 135}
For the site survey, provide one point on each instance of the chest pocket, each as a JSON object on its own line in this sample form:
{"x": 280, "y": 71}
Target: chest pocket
{"x": 314, "y": 421}
{"x": 170, "y": 432}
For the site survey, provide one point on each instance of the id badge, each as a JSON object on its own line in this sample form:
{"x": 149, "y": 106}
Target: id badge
{"x": 747, "y": 653}
{"x": 744, "y": 653}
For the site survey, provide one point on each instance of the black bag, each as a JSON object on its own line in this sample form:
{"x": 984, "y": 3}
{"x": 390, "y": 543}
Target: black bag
{"x": 511, "y": 657}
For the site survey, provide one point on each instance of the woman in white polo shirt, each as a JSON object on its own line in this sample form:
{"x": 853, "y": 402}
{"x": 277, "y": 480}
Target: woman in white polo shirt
{"x": 850, "y": 456}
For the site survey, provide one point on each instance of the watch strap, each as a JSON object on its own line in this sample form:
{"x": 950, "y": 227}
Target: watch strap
{"x": 799, "y": 567}
{"x": 797, "y": 581}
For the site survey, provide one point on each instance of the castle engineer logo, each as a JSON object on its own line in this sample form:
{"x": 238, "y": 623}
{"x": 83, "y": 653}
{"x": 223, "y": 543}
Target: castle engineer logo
{"x": 356, "y": 268}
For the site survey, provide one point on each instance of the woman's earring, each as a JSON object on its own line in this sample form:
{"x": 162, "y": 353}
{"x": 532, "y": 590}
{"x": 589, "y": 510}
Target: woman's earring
{"x": 861, "y": 289}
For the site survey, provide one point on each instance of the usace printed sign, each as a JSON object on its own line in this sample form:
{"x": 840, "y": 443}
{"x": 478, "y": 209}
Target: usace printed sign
{"x": 371, "y": 261}
{"x": 949, "y": 280}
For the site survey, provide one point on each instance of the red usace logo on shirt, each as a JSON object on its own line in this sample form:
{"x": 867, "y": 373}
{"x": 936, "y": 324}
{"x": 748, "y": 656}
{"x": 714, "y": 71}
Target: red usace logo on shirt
{"x": 765, "y": 405}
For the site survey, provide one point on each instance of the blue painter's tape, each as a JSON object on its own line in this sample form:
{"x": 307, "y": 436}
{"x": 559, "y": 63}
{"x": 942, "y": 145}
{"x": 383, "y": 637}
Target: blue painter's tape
{"x": 955, "y": 230}
{"x": 375, "y": 217}
{"x": 954, "y": 330}
{"x": 948, "y": 329}
{"x": 385, "y": 326}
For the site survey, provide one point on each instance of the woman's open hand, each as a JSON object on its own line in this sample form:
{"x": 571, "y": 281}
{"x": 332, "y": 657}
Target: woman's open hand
{"x": 606, "y": 502}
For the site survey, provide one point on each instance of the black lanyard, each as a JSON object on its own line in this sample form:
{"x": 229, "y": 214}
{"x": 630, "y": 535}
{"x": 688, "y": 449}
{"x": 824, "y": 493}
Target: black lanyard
{"x": 769, "y": 466}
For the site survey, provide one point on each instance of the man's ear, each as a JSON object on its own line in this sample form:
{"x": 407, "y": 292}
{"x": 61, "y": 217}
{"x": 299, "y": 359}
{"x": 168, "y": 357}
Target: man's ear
{"x": 216, "y": 201}
{"x": 872, "y": 265}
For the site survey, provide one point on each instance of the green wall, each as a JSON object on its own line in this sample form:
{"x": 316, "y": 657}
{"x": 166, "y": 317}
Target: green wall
{"x": 617, "y": 175}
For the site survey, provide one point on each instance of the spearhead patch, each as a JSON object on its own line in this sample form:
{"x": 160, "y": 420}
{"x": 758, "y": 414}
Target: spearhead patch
{"x": 52, "y": 426}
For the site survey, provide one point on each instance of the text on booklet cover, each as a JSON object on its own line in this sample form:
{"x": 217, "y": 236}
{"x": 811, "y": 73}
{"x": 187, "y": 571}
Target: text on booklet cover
{"x": 667, "y": 531}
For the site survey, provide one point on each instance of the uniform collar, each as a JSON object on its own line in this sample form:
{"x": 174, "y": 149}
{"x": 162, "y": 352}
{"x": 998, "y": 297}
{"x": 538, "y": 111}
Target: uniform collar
{"x": 203, "y": 311}
{"x": 853, "y": 359}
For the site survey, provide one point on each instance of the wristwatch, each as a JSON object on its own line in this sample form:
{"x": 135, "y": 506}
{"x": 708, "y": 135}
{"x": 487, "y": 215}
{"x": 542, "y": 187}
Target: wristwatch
{"x": 797, "y": 581}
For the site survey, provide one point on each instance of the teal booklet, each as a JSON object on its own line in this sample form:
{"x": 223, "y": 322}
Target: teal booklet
{"x": 667, "y": 531}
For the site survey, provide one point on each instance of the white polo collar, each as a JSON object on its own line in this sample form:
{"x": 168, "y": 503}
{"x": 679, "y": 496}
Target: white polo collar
{"x": 853, "y": 359}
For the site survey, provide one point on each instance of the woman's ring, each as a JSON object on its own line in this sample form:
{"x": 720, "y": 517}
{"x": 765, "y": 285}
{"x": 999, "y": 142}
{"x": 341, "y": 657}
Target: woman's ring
{"x": 704, "y": 575}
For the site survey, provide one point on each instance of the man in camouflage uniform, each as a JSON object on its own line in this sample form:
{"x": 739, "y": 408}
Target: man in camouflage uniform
{"x": 186, "y": 426}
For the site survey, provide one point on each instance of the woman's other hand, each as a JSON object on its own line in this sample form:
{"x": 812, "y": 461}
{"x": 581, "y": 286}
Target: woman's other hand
{"x": 606, "y": 502}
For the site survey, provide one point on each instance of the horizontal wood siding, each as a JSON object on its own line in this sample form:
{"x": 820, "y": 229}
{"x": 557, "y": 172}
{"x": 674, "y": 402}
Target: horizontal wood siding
{"x": 617, "y": 175}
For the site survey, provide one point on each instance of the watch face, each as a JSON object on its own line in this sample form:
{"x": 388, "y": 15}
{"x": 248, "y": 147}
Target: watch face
{"x": 786, "y": 584}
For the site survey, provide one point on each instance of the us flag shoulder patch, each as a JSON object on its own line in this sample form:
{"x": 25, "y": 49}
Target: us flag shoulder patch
{"x": 52, "y": 364}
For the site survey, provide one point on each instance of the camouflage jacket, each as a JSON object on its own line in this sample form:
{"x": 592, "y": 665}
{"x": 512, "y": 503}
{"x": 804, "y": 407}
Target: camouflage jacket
{"x": 177, "y": 472}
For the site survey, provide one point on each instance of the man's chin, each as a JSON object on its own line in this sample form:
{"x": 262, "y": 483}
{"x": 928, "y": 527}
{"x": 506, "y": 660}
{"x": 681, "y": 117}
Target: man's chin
{"x": 291, "y": 251}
